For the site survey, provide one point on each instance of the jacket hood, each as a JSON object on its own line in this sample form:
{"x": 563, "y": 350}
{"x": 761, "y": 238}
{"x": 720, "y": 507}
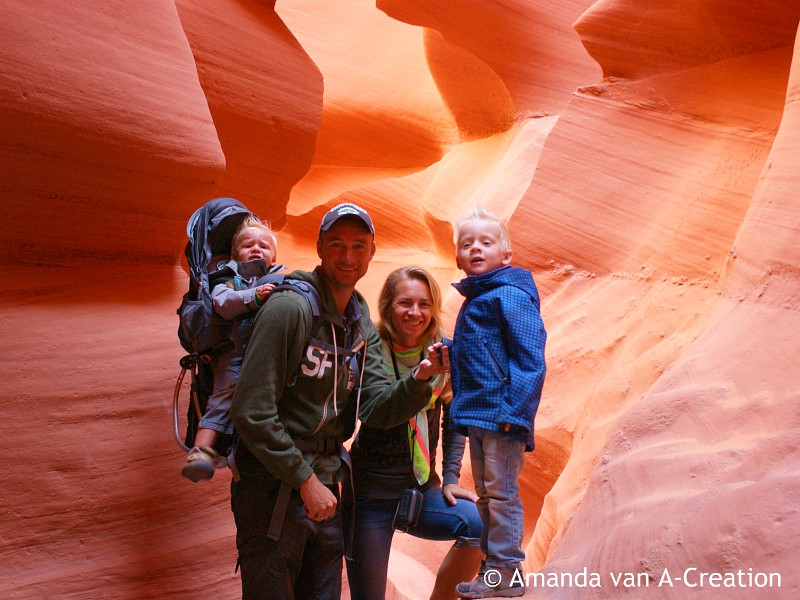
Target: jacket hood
{"x": 475, "y": 285}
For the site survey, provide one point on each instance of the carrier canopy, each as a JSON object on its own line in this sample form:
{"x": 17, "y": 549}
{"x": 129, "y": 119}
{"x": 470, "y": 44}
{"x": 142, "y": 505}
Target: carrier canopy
{"x": 210, "y": 231}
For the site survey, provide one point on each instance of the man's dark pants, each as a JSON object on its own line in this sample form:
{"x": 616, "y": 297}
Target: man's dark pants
{"x": 305, "y": 563}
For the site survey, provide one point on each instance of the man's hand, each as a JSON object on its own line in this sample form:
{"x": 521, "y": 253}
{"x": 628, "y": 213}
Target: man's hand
{"x": 452, "y": 491}
{"x": 437, "y": 362}
{"x": 319, "y": 501}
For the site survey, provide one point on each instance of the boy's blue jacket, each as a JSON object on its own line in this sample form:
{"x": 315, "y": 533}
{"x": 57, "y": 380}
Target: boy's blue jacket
{"x": 497, "y": 355}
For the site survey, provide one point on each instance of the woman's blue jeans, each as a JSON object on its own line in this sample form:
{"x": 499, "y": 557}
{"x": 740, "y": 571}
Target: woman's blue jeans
{"x": 372, "y": 536}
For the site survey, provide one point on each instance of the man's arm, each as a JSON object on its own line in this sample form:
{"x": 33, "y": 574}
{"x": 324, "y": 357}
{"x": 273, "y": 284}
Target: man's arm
{"x": 274, "y": 352}
{"x": 386, "y": 404}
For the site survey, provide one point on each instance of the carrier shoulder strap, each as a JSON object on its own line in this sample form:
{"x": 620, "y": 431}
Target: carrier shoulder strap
{"x": 310, "y": 293}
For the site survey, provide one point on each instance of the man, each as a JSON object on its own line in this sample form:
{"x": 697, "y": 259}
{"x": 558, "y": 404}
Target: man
{"x": 296, "y": 401}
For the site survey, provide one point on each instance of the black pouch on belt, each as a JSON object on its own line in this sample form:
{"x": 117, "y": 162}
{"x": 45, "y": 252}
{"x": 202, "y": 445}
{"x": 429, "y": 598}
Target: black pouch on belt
{"x": 408, "y": 510}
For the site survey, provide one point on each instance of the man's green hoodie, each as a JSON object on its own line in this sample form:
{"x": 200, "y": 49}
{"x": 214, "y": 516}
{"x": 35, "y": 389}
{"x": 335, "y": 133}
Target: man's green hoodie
{"x": 269, "y": 413}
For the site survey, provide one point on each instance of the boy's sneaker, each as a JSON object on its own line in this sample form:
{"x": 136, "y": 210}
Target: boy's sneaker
{"x": 200, "y": 463}
{"x": 503, "y": 585}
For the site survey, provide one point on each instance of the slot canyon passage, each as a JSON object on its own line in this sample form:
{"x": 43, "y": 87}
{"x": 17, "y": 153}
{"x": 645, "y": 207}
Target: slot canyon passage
{"x": 646, "y": 156}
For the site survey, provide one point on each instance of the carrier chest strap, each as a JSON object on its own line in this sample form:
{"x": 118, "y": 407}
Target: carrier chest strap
{"x": 324, "y": 446}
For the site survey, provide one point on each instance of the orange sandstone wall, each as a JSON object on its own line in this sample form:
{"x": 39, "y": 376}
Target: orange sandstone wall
{"x": 106, "y": 132}
{"x": 643, "y": 153}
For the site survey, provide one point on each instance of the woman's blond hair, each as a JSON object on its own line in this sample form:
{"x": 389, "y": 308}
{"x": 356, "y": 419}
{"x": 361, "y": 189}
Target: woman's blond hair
{"x": 434, "y": 331}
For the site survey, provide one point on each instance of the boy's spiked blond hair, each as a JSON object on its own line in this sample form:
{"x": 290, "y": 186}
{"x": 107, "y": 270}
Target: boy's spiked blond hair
{"x": 478, "y": 213}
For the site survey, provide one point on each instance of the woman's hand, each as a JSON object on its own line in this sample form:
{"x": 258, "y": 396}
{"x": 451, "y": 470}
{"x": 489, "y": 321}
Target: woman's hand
{"x": 437, "y": 362}
{"x": 451, "y": 491}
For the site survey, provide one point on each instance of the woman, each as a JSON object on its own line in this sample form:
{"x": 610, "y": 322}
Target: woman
{"x": 388, "y": 461}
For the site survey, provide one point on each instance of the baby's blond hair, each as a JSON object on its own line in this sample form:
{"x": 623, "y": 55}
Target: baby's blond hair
{"x": 251, "y": 221}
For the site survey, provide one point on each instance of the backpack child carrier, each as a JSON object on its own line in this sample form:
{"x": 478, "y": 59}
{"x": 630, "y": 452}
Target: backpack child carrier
{"x": 210, "y": 232}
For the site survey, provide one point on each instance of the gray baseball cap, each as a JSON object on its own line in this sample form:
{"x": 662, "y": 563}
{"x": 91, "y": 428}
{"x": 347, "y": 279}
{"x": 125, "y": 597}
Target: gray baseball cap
{"x": 346, "y": 209}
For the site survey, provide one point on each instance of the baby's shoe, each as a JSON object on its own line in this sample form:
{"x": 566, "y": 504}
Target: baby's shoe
{"x": 200, "y": 463}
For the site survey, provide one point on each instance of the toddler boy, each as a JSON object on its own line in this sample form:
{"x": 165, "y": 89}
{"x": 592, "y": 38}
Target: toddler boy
{"x": 498, "y": 368}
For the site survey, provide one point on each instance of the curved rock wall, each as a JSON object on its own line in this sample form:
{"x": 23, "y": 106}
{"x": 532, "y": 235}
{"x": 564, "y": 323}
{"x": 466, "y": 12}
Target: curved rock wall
{"x": 644, "y": 154}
